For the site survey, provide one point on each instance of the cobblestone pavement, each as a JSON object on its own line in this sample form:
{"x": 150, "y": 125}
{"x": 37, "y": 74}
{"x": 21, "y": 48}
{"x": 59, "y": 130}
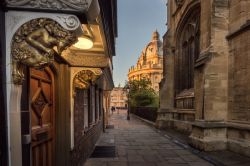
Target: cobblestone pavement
{"x": 138, "y": 144}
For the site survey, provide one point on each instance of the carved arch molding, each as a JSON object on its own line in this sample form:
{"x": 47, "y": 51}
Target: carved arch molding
{"x": 36, "y": 43}
{"x": 84, "y": 78}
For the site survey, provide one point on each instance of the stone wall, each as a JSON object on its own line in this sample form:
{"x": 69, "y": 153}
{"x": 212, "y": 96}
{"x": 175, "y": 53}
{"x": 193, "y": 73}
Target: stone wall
{"x": 149, "y": 113}
{"x": 239, "y": 63}
{"x": 85, "y": 137}
{"x": 83, "y": 149}
{"x": 79, "y": 115}
{"x": 221, "y": 75}
{"x": 177, "y": 16}
{"x": 239, "y": 76}
{"x": 216, "y": 69}
{"x": 239, "y": 104}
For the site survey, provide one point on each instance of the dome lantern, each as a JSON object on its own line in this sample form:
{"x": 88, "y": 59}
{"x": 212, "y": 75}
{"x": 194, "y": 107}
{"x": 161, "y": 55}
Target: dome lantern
{"x": 155, "y": 35}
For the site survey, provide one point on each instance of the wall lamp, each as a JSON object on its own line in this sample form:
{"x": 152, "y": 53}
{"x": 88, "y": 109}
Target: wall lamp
{"x": 86, "y": 40}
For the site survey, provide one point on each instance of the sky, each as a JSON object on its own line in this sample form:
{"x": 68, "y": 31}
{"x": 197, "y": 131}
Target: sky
{"x": 137, "y": 20}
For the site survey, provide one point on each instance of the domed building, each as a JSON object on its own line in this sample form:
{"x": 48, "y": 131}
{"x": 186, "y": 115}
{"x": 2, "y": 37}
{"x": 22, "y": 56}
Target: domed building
{"x": 150, "y": 63}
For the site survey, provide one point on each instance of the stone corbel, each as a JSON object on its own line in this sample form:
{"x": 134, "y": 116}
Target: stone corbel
{"x": 87, "y": 76}
{"x": 36, "y": 43}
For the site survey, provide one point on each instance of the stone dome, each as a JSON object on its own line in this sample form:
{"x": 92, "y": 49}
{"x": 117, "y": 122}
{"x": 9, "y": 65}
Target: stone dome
{"x": 150, "y": 63}
{"x": 154, "y": 47}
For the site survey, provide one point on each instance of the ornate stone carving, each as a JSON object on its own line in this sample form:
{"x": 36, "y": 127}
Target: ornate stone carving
{"x": 73, "y": 5}
{"x": 71, "y": 22}
{"x": 179, "y": 2}
{"x": 86, "y": 60}
{"x": 35, "y": 43}
{"x": 84, "y": 78}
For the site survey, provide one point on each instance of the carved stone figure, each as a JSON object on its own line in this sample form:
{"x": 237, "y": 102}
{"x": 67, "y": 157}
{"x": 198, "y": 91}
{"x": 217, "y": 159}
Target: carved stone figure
{"x": 85, "y": 78}
{"x": 35, "y": 44}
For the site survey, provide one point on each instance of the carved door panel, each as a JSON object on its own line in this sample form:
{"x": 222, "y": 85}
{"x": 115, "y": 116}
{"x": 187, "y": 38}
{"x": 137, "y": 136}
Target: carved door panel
{"x": 42, "y": 117}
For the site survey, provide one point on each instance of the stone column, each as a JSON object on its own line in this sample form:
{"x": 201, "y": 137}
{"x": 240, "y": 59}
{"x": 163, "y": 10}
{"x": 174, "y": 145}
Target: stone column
{"x": 165, "y": 112}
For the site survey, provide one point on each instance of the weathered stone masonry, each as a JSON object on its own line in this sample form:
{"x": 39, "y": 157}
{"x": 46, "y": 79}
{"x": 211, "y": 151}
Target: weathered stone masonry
{"x": 220, "y": 116}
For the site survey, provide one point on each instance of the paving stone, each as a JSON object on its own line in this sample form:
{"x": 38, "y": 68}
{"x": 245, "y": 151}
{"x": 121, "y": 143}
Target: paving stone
{"x": 95, "y": 163}
{"x": 131, "y": 152}
{"x": 171, "y": 164}
{"x": 141, "y": 164}
{"x": 152, "y": 158}
{"x": 147, "y": 152}
{"x": 176, "y": 161}
{"x": 139, "y": 144}
{"x": 182, "y": 152}
{"x": 199, "y": 164}
{"x": 135, "y": 158}
{"x": 117, "y": 163}
{"x": 122, "y": 159}
{"x": 190, "y": 158}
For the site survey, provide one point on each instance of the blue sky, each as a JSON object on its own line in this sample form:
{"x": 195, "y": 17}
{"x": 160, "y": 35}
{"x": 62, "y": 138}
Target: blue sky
{"x": 137, "y": 20}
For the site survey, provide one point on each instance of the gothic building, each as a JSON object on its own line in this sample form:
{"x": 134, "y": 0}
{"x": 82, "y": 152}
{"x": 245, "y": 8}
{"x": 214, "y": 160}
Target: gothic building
{"x": 205, "y": 89}
{"x": 149, "y": 64}
{"x": 56, "y": 79}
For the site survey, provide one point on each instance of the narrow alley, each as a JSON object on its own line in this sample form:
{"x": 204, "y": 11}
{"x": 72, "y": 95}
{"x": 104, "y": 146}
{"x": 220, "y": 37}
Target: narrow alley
{"x": 137, "y": 144}
{"x": 124, "y": 83}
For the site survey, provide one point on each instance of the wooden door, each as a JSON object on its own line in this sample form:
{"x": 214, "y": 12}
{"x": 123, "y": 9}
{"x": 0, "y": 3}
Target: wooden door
{"x": 42, "y": 117}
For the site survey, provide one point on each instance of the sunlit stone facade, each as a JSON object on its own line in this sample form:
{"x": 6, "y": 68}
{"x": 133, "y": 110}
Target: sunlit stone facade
{"x": 150, "y": 63}
{"x": 119, "y": 98}
{"x": 205, "y": 89}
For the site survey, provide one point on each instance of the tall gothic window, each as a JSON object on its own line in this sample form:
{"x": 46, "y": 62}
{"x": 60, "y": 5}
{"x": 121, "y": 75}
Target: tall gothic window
{"x": 187, "y": 52}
